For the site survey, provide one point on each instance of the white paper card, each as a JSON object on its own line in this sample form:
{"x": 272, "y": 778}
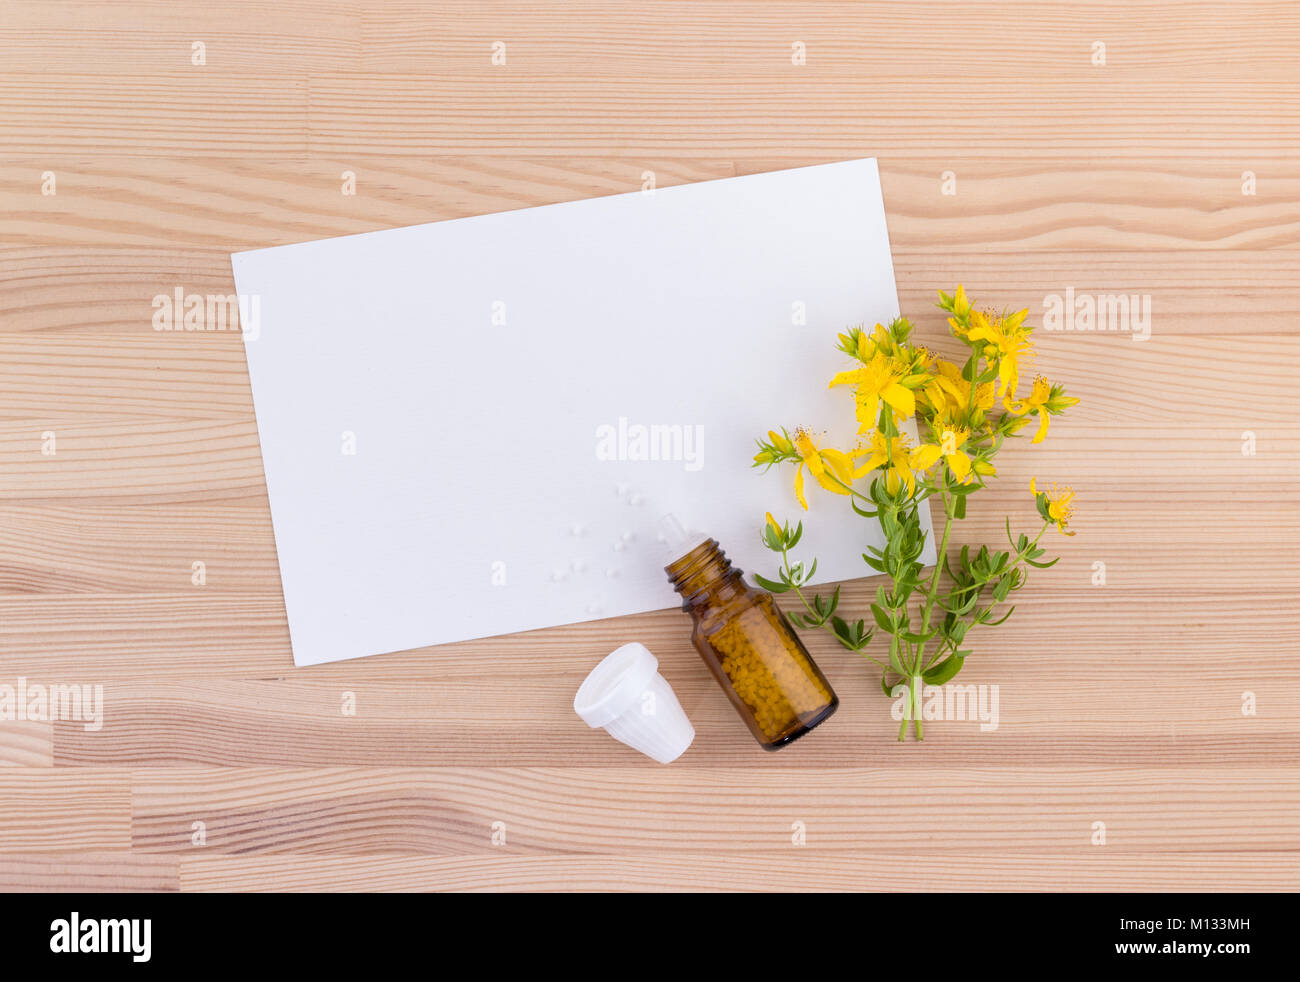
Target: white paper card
{"x": 449, "y": 413}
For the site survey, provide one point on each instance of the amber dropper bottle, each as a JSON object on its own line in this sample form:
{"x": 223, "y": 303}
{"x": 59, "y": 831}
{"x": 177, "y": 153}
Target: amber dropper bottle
{"x": 746, "y": 642}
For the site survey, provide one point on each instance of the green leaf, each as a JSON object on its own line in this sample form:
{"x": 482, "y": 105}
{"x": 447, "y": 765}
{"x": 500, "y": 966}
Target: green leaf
{"x": 1001, "y": 588}
{"x": 1047, "y": 565}
{"x": 895, "y": 662}
{"x": 835, "y": 602}
{"x": 942, "y": 672}
{"x": 770, "y": 585}
{"x": 882, "y": 618}
{"x": 794, "y": 536}
{"x": 844, "y": 634}
{"x": 851, "y": 636}
{"x": 959, "y": 508}
{"x": 1041, "y": 501}
{"x": 886, "y": 421}
{"x": 1002, "y": 618}
{"x": 864, "y": 512}
{"x": 964, "y": 606}
{"x": 889, "y": 523}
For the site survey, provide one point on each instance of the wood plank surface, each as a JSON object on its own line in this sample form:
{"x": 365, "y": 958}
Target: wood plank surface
{"x": 1011, "y": 160}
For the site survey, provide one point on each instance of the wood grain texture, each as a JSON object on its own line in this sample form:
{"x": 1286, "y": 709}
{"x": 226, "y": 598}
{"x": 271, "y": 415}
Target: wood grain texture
{"x": 777, "y": 870}
{"x": 1119, "y": 704}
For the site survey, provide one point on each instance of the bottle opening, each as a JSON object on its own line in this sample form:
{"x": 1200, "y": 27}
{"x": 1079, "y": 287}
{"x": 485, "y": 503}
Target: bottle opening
{"x": 677, "y": 540}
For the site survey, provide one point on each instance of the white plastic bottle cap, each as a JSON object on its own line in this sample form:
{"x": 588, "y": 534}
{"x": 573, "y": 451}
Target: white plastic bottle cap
{"x": 627, "y": 697}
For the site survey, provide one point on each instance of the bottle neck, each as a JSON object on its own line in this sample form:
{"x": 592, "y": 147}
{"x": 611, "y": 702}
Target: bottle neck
{"x": 705, "y": 575}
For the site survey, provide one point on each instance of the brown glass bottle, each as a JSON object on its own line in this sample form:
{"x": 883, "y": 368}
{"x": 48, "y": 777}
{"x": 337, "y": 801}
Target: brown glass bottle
{"x": 750, "y": 648}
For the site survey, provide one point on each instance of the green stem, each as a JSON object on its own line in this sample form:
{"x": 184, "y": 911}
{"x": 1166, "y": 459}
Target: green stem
{"x": 932, "y": 591}
{"x": 912, "y": 710}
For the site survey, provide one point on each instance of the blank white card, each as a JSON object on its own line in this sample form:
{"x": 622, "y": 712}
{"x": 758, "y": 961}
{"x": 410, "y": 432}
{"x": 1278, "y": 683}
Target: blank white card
{"x": 472, "y": 427}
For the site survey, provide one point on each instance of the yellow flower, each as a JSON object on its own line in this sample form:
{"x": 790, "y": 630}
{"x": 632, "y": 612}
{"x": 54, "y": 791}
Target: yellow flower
{"x": 891, "y": 453}
{"x": 1044, "y": 400}
{"x": 832, "y": 468}
{"x": 951, "y": 439}
{"x": 1008, "y": 339}
{"x": 879, "y": 378}
{"x": 941, "y": 390}
{"x": 948, "y": 394}
{"x": 869, "y": 344}
{"x": 778, "y": 448}
{"x": 772, "y": 523}
{"x": 960, "y": 308}
{"x": 864, "y": 346}
{"x": 1033, "y": 403}
{"x": 1056, "y": 505}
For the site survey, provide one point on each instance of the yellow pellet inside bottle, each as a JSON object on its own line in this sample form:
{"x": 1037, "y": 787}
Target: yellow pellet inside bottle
{"x": 772, "y": 677}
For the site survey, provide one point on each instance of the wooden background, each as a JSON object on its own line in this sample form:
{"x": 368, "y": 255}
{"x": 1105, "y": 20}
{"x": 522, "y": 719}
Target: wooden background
{"x": 1120, "y": 703}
